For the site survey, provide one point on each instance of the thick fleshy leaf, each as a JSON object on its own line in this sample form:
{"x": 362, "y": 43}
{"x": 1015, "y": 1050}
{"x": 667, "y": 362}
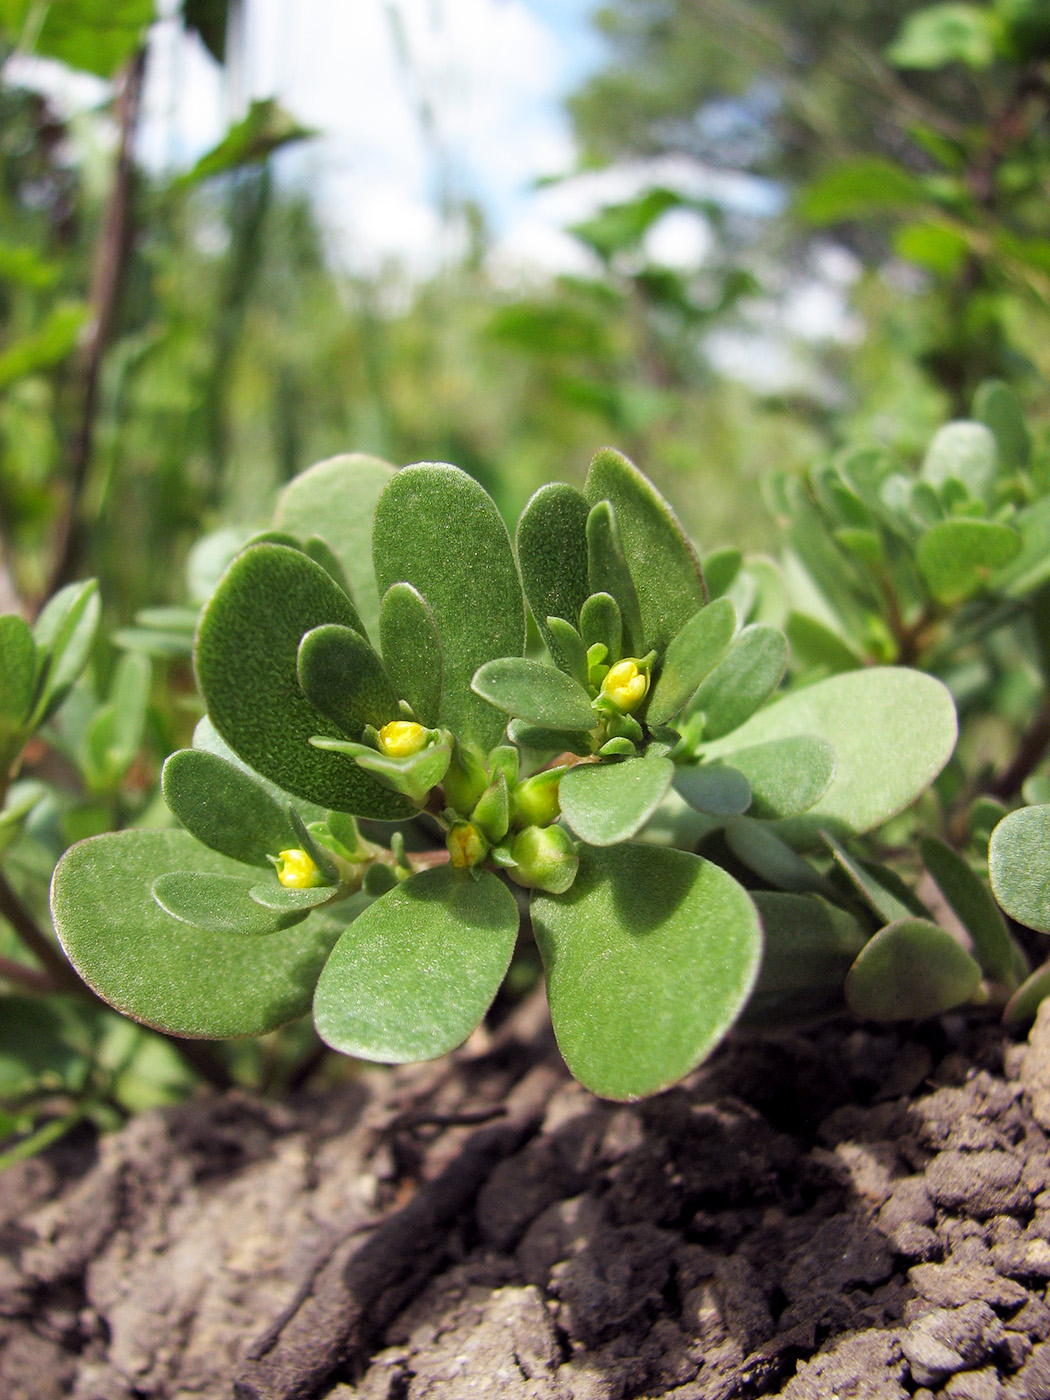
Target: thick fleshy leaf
{"x": 225, "y": 807}
{"x": 438, "y": 530}
{"x": 608, "y": 572}
{"x": 972, "y": 901}
{"x": 207, "y": 739}
{"x": 605, "y": 803}
{"x": 1019, "y": 866}
{"x": 17, "y": 673}
{"x": 273, "y": 895}
{"x": 165, "y": 973}
{"x": 414, "y": 776}
{"x": 570, "y": 654}
{"x": 419, "y": 968}
{"x": 601, "y": 623}
{"x": 877, "y": 885}
{"x": 411, "y": 649}
{"x": 529, "y": 736}
{"x": 690, "y": 657}
{"x": 743, "y": 680}
{"x": 247, "y": 646}
{"x": 663, "y": 563}
{"x": 336, "y": 500}
{"x": 536, "y": 693}
{"x": 220, "y": 903}
{"x": 551, "y": 541}
{"x": 958, "y": 557}
{"x": 713, "y": 789}
{"x": 809, "y": 948}
{"x": 911, "y": 969}
{"x": 343, "y": 677}
{"x": 965, "y": 452}
{"x": 772, "y": 859}
{"x": 66, "y": 628}
{"x": 786, "y": 776}
{"x": 817, "y": 648}
{"x": 892, "y": 730}
{"x": 650, "y": 957}
{"x": 997, "y": 406}
{"x": 1023, "y": 1006}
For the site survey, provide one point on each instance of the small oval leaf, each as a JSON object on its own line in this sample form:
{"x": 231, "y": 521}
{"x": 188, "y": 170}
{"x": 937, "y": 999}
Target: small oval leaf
{"x": 1019, "y": 866}
{"x": 690, "y": 657}
{"x": 220, "y": 903}
{"x": 713, "y": 789}
{"x": 958, "y": 557}
{"x": 224, "y": 807}
{"x": 345, "y": 680}
{"x": 910, "y": 970}
{"x": 538, "y": 694}
{"x": 787, "y": 776}
{"x": 551, "y": 541}
{"x": 743, "y": 680}
{"x": 605, "y": 803}
{"x": 411, "y": 649}
{"x": 972, "y": 901}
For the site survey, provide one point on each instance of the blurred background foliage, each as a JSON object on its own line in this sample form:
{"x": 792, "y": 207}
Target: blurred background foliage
{"x": 173, "y": 349}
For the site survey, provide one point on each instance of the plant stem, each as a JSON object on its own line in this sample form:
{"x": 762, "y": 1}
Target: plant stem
{"x": 27, "y": 977}
{"x": 1034, "y": 743}
{"x": 33, "y": 938}
{"x": 111, "y": 259}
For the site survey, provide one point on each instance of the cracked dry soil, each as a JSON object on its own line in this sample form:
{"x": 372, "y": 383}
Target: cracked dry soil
{"x": 845, "y": 1214}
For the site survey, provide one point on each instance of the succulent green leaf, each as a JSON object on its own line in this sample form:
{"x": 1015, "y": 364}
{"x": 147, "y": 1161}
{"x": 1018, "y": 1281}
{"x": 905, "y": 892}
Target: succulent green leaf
{"x": 165, "y": 973}
{"x": 713, "y": 789}
{"x": 247, "y": 645}
{"x": 535, "y": 693}
{"x": 817, "y": 647}
{"x": 66, "y": 629}
{"x": 877, "y": 886}
{"x": 772, "y": 859}
{"x": 551, "y": 541}
{"x": 605, "y": 803}
{"x": 892, "y": 730}
{"x": 972, "y": 901}
{"x": 274, "y": 896}
{"x": 414, "y": 776}
{"x": 964, "y": 452}
{"x": 538, "y": 740}
{"x": 997, "y": 406}
{"x": 437, "y": 529}
{"x": 1023, "y": 1006}
{"x": 207, "y": 739}
{"x": 336, "y": 500}
{"x": 1019, "y": 866}
{"x": 809, "y": 948}
{"x": 608, "y": 572}
{"x": 419, "y": 968}
{"x": 690, "y": 657}
{"x": 17, "y": 674}
{"x": 219, "y": 903}
{"x": 601, "y": 624}
{"x": 650, "y": 957}
{"x": 571, "y": 654}
{"x": 743, "y": 680}
{"x": 411, "y": 649}
{"x": 911, "y": 969}
{"x": 721, "y": 568}
{"x": 958, "y": 557}
{"x": 345, "y": 680}
{"x": 662, "y": 562}
{"x": 786, "y": 776}
{"x": 225, "y": 808}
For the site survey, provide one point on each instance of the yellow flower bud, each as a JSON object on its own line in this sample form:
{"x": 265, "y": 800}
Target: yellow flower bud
{"x": 625, "y": 685}
{"x": 466, "y": 846}
{"x": 402, "y": 738}
{"x": 298, "y": 871}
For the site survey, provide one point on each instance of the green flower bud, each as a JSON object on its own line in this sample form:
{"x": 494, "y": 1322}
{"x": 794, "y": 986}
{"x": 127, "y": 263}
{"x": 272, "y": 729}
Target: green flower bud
{"x": 465, "y": 781}
{"x": 492, "y": 810}
{"x": 546, "y": 859}
{"x": 466, "y": 846}
{"x": 536, "y": 799}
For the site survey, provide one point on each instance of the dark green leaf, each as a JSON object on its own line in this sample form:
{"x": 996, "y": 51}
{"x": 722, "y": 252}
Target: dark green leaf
{"x": 247, "y": 645}
{"x": 225, "y": 808}
{"x": 605, "y": 803}
{"x": 528, "y": 736}
{"x": 743, "y": 680}
{"x": 771, "y": 858}
{"x": 66, "y": 628}
{"x": 419, "y": 968}
{"x": 345, "y": 680}
{"x": 570, "y": 649}
{"x": 875, "y": 887}
{"x": 165, "y": 973}
{"x": 892, "y": 730}
{"x": 649, "y": 957}
{"x": 958, "y": 557}
{"x": 1019, "y": 866}
{"x": 608, "y": 572}
{"x": 208, "y": 18}
{"x": 601, "y": 624}
{"x": 411, "y": 650}
{"x": 535, "y": 693}
{"x": 689, "y": 659}
{"x": 662, "y": 562}
{"x": 975, "y": 908}
{"x": 219, "y": 903}
{"x": 437, "y": 529}
{"x": 911, "y": 969}
{"x": 551, "y": 541}
{"x": 713, "y": 789}
{"x": 18, "y": 671}
{"x": 1023, "y": 1006}
{"x": 336, "y": 499}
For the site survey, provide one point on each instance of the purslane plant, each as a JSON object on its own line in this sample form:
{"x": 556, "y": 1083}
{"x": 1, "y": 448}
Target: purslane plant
{"x": 363, "y": 662}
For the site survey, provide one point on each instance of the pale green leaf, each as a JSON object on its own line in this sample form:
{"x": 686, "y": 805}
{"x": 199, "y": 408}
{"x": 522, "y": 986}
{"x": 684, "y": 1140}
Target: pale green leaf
{"x": 690, "y": 657}
{"x": 1019, "y": 866}
{"x": 606, "y": 803}
{"x": 219, "y": 903}
{"x": 551, "y": 542}
{"x": 535, "y": 693}
{"x": 910, "y": 970}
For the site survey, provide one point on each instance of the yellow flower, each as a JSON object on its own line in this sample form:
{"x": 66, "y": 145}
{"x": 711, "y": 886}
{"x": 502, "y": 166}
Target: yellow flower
{"x": 466, "y": 845}
{"x": 298, "y": 871}
{"x": 402, "y": 738}
{"x": 626, "y": 686}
